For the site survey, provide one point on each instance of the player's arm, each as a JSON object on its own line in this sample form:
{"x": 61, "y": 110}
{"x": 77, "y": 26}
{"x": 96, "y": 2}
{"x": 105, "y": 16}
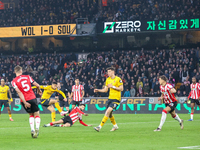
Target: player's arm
{"x": 78, "y": 110}
{"x": 120, "y": 88}
{"x": 10, "y": 95}
{"x": 21, "y": 96}
{"x": 161, "y": 97}
{"x": 38, "y": 87}
{"x": 173, "y": 90}
{"x": 81, "y": 122}
{"x": 63, "y": 94}
{"x": 104, "y": 90}
{"x": 83, "y": 93}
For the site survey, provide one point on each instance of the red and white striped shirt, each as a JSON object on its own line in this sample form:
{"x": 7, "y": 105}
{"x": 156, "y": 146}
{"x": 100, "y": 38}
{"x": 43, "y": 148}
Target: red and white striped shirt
{"x": 77, "y": 92}
{"x": 194, "y": 93}
{"x": 76, "y": 114}
{"x": 168, "y": 97}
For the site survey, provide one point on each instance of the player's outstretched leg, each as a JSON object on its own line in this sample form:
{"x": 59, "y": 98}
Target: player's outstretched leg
{"x": 53, "y": 123}
{"x": 105, "y": 118}
{"x": 176, "y": 117}
{"x": 162, "y": 121}
{"x": 112, "y": 119}
{"x": 192, "y": 112}
{"x": 56, "y": 103}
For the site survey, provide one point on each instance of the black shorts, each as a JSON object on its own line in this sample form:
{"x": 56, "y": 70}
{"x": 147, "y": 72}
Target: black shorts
{"x": 63, "y": 103}
{"x": 113, "y": 103}
{"x": 45, "y": 102}
{"x": 172, "y": 106}
{"x": 67, "y": 119}
{"x": 76, "y": 103}
{"x": 195, "y": 101}
{"x": 4, "y": 102}
{"x": 34, "y": 106}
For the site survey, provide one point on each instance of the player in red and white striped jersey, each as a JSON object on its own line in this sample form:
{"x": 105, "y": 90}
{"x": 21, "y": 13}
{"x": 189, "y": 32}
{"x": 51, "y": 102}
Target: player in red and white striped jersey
{"x": 77, "y": 93}
{"x": 170, "y": 101}
{"x": 194, "y": 96}
{"x": 68, "y": 121}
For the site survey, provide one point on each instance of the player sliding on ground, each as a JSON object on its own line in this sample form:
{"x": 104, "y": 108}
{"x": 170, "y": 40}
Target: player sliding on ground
{"x": 68, "y": 121}
{"x": 4, "y": 90}
{"x": 194, "y": 96}
{"x": 170, "y": 101}
{"x": 22, "y": 85}
{"x": 115, "y": 85}
{"x": 48, "y": 102}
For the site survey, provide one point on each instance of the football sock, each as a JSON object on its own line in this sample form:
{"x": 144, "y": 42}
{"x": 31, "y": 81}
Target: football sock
{"x": 103, "y": 121}
{"x": 31, "y": 122}
{"x": 176, "y": 117}
{"x": 163, "y": 118}
{"x": 37, "y": 121}
{"x": 112, "y": 119}
{"x": 191, "y": 115}
{"x": 58, "y": 107}
{"x": 10, "y": 116}
{"x": 53, "y": 116}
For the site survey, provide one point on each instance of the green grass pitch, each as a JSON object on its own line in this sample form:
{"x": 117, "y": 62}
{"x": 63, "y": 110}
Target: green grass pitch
{"x": 135, "y": 133}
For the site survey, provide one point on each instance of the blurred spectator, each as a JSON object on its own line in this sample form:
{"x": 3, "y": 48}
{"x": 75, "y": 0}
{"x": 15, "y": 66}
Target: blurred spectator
{"x": 127, "y": 93}
{"x": 139, "y": 84}
{"x": 132, "y": 91}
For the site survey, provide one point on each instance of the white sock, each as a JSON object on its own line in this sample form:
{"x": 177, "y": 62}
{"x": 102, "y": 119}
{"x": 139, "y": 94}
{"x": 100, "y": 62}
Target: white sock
{"x": 48, "y": 125}
{"x": 37, "y": 122}
{"x": 115, "y": 126}
{"x": 163, "y": 118}
{"x": 100, "y": 126}
{"x": 177, "y": 118}
{"x": 191, "y": 116}
{"x": 31, "y": 122}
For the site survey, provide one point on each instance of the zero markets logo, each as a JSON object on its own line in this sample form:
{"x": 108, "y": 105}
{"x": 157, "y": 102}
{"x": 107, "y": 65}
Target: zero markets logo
{"x": 122, "y": 26}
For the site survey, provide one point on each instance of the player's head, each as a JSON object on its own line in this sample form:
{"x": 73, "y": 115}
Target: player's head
{"x": 110, "y": 71}
{"x": 194, "y": 80}
{"x": 82, "y": 107}
{"x": 162, "y": 80}
{"x": 77, "y": 81}
{"x": 2, "y": 82}
{"x": 18, "y": 70}
{"x": 54, "y": 85}
{"x": 58, "y": 85}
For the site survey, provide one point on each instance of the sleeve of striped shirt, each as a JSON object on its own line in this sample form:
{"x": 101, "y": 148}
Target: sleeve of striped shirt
{"x": 169, "y": 87}
{"x": 81, "y": 122}
{"x": 73, "y": 88}
{"x": 78, "y": 110}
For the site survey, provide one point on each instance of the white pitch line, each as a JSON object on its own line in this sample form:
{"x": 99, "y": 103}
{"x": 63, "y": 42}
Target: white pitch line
{"x": 190, "y": 147}
{"x": 105, "y": 124}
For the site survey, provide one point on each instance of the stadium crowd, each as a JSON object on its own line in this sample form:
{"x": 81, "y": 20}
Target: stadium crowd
{"x": 139, "y": 70}
{"x": 42, "y": 12}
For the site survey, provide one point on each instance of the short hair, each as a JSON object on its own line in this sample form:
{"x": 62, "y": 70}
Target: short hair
{"x": 163, "y": 77}
{"x": 194, "y": 77}
{"x": 81, "y": 104}
{"x": 17, "y": 69}
{"x": 76, "y": 78}
{"x": 110, "y": 68}
{"x": 54, "y": 82}
{"x": 2, "y": 80}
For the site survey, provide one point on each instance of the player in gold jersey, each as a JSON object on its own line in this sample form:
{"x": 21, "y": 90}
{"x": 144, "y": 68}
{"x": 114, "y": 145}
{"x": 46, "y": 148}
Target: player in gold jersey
{"x": 4, "y": 90}
{"x": 115, "y": 85}
{"x": 48, "y": 102}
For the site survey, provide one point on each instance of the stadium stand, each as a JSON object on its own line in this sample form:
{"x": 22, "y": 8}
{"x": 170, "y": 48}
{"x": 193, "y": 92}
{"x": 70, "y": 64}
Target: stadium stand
{"x": 139, "y": 70}
{"x": 42, "y": 12}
